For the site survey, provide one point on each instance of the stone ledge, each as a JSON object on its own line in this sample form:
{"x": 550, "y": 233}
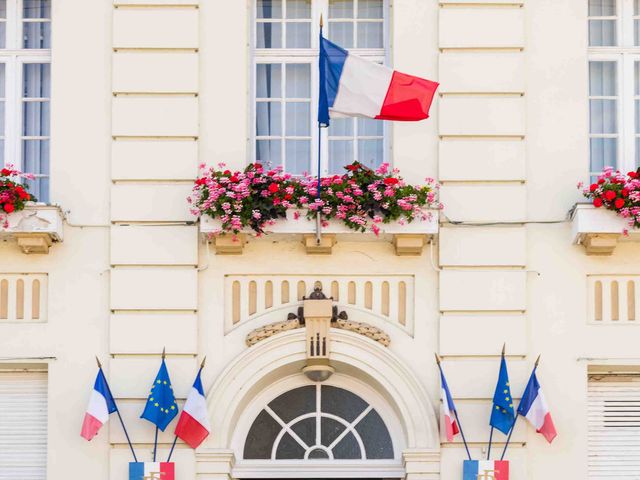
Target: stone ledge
{"x": 599, "y": 230}
{"x": 35, "y": 228}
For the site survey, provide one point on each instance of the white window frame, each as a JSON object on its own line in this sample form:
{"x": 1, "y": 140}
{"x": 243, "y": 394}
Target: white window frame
{"x": 310, "y": 55}
{"x": 625, "y": 54}
{"x": 14, "y": 56}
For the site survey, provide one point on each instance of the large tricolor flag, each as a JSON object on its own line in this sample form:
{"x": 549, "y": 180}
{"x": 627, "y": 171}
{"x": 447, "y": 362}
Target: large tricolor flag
{"x": 481, "y": 469}
{"x": 193, "y": 425}
{"x": 101, "y": 404}
{"x": 534, "y": 408}
{"x": 448, "y": 411}
{"x": 351, "y": 86}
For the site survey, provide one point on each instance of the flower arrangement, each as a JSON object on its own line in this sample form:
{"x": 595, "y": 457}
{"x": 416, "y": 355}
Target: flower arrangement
{"x": 13, "y": 194}
{"x": 361, "y": 198}
{"x": 618, "y": 192}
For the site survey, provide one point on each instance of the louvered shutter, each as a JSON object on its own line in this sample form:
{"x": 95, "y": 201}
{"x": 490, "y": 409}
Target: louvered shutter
{"x": 614, "y": 428}
{"x": 23, "y": 425}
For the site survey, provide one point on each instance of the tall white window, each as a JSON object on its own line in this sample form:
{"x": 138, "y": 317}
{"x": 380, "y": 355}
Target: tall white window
{"x": 614, "y": 84}
{"x": 25, "y": 89}
{"x": 285, "y": 83}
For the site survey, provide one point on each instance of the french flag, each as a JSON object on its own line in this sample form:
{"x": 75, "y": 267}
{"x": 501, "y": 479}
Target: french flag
{"x": 534, "y": 408}
{"x": 193, "y": 425}
{"x": 448, "y": 411}
{"x": 351, "y": 86}
{"x": 494, "y": 469}
{"x": 101, "y": 404}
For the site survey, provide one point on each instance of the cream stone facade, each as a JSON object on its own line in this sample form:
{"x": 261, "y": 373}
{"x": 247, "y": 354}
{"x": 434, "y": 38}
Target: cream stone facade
{"x": 143, "y": 91}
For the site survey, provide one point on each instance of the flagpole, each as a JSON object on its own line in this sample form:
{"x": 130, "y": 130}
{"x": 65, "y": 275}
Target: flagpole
{"x": 506, "y": 445}
{"x": 504, "y": 345}
{"x": 175, "y": 439}
{"x": 155, "y": 441}
{"x": 126, "y": 434}
{"x": 318, "y": 217}
{"x": 455, "y": 412}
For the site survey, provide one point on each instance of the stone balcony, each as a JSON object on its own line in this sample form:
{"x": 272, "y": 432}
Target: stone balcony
{"x": 407, "y": 238}
{"x": 599, "y": 230}
{"x": 35, "y": 228}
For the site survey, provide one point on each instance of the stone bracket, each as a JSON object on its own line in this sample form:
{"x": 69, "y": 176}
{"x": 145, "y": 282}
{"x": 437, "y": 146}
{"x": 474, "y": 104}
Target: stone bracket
{"x": 327, "y": 241}
{"x": 600, "y": 243}
{"x": 409, "y": 244}
{"x": 229, "y": 244}
{"x": 34, "y": 242}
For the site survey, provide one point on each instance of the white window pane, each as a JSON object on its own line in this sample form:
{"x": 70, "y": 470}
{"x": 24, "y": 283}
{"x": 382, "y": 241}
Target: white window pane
{"x": 603, "y": 115}
{"x": 368, "y": 127}
{"x": 298, "y": 119}
{"x": 369, "y": 8}
{"x": 603, "y": 79}
{"x": 341, "y": 8}
{"x": 298, "y": 80}
{"x": 3, "y": 8}
{"x": 341, "y": 127}
{"x": 3, "y": 34}
{"x": 341, "y": 33}
{"x": 269, "y": 152}
{"x": 268, "y": 119}
{"x": 37, "y": 80}
{"x": 298, "y": 156}
{"x": 298, "y": 35}
{"x": 370, "y": 35}
{"x": 35, "y": 119}
{"x": 268, "y": 80}
{"x": 602, "y": 33}
{"x": 637, "y": 115}
{"x": 2, "y": 161}
{"x": 269, "y": 8}
{"x": 602, "y": 8}
{"x": 604, "y": 152}
{"x": 340, "y": 155}
{"x": 637, "y": 152}
{"x": 37, "y": 34}
{"x": 35, "y": 159}
{"x": 370, "y": 152}
{"x": 2, "y": 79}
{"x": 298, "y": 8}
{"x": 636, "y": 32}
{"x": 2, "y": 118}
{"x": 268, "y": 35}
{"x": 36, "y": 8}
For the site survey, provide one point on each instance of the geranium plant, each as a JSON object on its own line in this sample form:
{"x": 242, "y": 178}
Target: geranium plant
{"x": 361, "y": 198}
{"x": 13, "y": 193}
{"x": 618, "y": 192}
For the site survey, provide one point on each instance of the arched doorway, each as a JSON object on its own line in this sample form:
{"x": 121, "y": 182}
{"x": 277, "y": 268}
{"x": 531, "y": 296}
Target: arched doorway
{"x": 371, "y": 419}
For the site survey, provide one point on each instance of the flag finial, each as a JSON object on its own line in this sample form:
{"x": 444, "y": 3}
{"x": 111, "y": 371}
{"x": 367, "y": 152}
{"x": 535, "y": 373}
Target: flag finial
{"x": 504, "y": 346}
{"x": 321, "y": 21}
{"x": 538, "y": 360}
{"x": 203, "y": 361}
{"x": 98, "y": 362}
{"x": 164, "y": 354}
{"x": 437, "y": 359}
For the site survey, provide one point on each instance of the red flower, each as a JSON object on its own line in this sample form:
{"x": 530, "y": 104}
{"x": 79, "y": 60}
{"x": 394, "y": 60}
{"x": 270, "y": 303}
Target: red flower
{"x": 273, "y": 188}
{"x": 597, "y": 202}
{"x": 234, "y": 179}
{"x": 390, "y": 181}
{"x": 257, "y": 165}
{"x": 353, "y": 167}
{"x": 288, "y": 196}
{"x": 625, "y": 192}
{"x": 5, "y": 171}
{"x": 593, "y": 187}
{"x": 600, "y": 181}
{"x": 619, "y": 203}
{"x": 8, "y": 207}
{"x": 22, "y": 193}
{"x": 633, "y": 174}
{"x": 201, "y": 181}
{"x": 610, "y": 195}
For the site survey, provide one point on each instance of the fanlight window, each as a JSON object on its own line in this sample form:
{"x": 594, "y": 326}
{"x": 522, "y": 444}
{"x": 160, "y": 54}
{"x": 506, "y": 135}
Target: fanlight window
{"x": 318, "y": 422}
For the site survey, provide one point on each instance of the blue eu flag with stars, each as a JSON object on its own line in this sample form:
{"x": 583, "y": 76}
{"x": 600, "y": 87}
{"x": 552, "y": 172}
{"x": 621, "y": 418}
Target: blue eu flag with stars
{"x": 502, "y": 413}
{"x": 161, "y": 405}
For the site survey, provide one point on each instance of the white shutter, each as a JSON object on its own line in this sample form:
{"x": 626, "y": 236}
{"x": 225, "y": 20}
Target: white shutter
{"x": 614, "y": 428}
{"x": 23, "y": 425}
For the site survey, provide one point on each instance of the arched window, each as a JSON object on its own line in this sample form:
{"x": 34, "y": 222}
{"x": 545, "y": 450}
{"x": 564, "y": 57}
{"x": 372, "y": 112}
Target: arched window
{"x": 318, "y": 422}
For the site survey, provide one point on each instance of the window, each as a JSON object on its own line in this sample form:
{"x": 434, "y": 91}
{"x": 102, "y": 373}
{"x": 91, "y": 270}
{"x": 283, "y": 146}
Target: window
{"x": 25, "y": 89}
{"x": 23, "y": 425}
{"x": 614, "y": 84}
{"x": 285, "y": 72}
{"x": 613, "y": 424}
{"x": 318, "y": 422}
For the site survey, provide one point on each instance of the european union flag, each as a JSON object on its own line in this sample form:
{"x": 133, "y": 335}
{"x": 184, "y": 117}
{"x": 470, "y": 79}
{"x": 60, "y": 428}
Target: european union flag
{"x": 161, "y": 405}
{"x": 502, "y": 413}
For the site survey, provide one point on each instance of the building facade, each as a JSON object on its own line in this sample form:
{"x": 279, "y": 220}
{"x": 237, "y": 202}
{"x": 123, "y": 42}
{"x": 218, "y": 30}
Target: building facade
{"x": 535, "y": 96}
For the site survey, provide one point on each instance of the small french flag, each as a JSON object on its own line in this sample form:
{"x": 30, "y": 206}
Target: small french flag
{"x": 533, "y": 407}
{"x": 193, "y": 425}
{"x": 448, "y": 411}
{"x": 351, "y": 86}
{"x": 101, "y": 404}
{"x": 494, "y": 469}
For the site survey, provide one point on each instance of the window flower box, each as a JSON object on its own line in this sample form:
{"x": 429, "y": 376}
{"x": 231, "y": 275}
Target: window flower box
{"x": 409, "y": 238}
{"x": 599, "y": 230}
{"x": 35, "y": 228}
